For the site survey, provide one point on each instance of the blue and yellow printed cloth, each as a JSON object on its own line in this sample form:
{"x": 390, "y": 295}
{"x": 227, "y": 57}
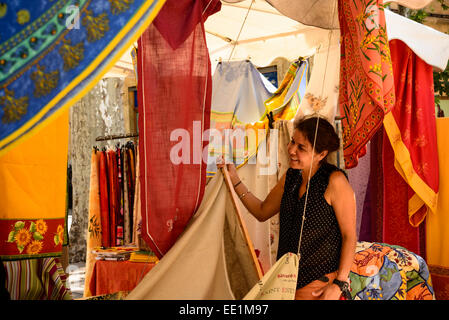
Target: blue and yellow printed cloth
{"x": 54, "y": 51}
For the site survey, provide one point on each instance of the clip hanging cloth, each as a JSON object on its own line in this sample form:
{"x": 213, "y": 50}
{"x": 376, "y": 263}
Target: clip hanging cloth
{"x": 270, "y": 120}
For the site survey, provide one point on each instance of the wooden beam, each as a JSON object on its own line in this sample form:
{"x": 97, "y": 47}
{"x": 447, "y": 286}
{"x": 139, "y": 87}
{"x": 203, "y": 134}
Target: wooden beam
{"x": 242, "y": 224}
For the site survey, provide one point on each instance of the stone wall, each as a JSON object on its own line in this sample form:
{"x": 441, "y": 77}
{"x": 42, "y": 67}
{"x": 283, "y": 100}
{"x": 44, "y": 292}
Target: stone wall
{"x": 99, "y": 113}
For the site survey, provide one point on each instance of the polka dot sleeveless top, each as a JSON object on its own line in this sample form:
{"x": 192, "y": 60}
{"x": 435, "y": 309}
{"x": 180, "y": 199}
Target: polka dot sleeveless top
{"x": 321, "y": 237}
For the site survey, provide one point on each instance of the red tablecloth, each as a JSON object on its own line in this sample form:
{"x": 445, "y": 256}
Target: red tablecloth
{"x": 114, "y": 276}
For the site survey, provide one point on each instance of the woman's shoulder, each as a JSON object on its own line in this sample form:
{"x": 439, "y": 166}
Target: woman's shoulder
{"x": 333, "y": 176}
{"x": 338, "y": 179}
{"x": 333, "y": 171}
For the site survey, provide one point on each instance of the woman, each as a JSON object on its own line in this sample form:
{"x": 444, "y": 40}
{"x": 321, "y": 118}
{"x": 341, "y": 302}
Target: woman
{"x": 328, "y": 239}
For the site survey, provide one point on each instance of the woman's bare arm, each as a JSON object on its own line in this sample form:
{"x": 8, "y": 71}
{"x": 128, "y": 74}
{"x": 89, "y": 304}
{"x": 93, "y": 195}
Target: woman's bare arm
{"x": 261, "y": 210}
{"x": 342, "y": 199}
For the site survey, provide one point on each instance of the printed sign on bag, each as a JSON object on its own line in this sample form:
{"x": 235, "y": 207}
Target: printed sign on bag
{"x": 279, "y": 283}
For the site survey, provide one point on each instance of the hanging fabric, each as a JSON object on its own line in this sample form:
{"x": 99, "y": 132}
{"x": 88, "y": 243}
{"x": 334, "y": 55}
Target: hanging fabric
{"x": 120, "y": 195}
{"x": 126, "y": 212}
{"x": 104, "y": 200}
{"x": 174, "y": 91}
{"x": 53, "y": 52}
{"x": 243, "y": 100}
{"x": 437, "y": 225}
{"x": 366, "y": 91}
{"x": 210, "y": 259}
{"x": 94, "y": 229}
{"x": 358, "y": 178}
{"x": 396, "y": 226}
{"x": 371, "y": 228}
{"x": 116, "y": 184}
{"x": 238, "y": 94}
{"x": 321, "y": 94}
{"x": 33, "y": 193}
{"x": 411, "y": 129}
{"x": 36, "y": 279}
{"x": 410, "y": 148}
{"x": 284, "y": 103}
{"x": 112, "y": 196}
{"x": 137, "y": 208}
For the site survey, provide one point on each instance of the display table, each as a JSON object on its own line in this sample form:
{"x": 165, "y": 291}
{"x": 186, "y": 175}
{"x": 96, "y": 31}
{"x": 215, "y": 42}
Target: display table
{"x": 114, "y": 276}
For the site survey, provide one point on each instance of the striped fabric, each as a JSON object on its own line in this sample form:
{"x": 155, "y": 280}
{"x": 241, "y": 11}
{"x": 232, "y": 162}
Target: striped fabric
{"x": 36, "y": 279}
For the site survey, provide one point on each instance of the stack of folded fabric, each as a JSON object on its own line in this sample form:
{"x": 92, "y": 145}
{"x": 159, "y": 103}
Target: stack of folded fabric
{"x": 143, "y": 256}
{"x": 113, "y": 253}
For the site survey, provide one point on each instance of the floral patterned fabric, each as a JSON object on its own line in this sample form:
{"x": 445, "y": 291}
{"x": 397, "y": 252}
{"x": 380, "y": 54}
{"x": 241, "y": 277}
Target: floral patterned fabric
{"x": 366, "y": 74}
{"x": 386, "y": 272}
{"x": 33, "y": 184}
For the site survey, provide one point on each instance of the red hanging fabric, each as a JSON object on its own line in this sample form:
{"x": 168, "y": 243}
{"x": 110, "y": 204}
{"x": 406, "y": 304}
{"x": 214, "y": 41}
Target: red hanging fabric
{"x": 104, "y": 200}
{"x": 366, "y": 91}
{"x": 112, "y": 197}
{"x": 396, "y": 228}
{"x": 178, "y": 18}
{"x": 410, "y": 151}
{"x": 120, "y": 199}
{"x": 174, "y": 92}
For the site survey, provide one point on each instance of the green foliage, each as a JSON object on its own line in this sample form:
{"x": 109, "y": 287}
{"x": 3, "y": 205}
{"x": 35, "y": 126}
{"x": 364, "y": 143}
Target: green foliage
{"x": 443, "y": 4}
{"x": 441, "y": 83}
{"x": 440, "y": 79}
{"x": 418, "y": 15}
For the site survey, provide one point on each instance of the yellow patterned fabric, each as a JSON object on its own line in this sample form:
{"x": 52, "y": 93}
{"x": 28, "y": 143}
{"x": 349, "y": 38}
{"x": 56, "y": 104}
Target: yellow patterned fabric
{"x": 94, "y": 222}
{"x": 33, "y": 184}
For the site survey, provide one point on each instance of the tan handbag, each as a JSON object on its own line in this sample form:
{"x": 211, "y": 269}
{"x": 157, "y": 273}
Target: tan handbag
{"x": 279, "y": 283}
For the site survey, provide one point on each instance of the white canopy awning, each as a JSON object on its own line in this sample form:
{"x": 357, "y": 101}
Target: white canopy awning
{"x": 265, "y": 33}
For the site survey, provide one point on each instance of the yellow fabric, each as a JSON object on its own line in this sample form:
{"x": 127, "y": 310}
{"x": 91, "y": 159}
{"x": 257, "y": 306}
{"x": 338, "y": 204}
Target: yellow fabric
{"x": 137, "y": 213}
{"x": 94, "y": 222}
{"x": 403, "y": 164}
{"x": 275, "y": 103}
{"x": 33, "y": 176}
{"x": 437, "y": 223}
{"x": 143, "y": 257}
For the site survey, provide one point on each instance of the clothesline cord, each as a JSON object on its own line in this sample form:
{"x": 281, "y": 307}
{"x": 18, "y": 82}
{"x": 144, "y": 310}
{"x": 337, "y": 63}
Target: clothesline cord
{"x": 232, "y": 50}
{"x": 240, "y": 31}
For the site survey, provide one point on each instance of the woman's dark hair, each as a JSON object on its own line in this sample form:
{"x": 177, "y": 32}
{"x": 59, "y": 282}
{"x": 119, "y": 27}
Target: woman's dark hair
{"x": 326, "y": 139}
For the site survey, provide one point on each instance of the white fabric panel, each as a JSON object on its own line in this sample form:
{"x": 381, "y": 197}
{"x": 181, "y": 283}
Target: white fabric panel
{"x": 321, "y": 94}
{"x": 427, "y": 43}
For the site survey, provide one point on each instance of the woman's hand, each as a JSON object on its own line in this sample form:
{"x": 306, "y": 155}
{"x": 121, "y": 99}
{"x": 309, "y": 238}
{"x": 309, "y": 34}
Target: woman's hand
{"x": 329, "y": 292}
{"x": 230, "y": 166}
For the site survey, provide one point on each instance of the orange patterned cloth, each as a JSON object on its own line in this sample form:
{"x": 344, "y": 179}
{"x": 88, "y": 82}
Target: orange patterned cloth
{"x": 366, "y": 75}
